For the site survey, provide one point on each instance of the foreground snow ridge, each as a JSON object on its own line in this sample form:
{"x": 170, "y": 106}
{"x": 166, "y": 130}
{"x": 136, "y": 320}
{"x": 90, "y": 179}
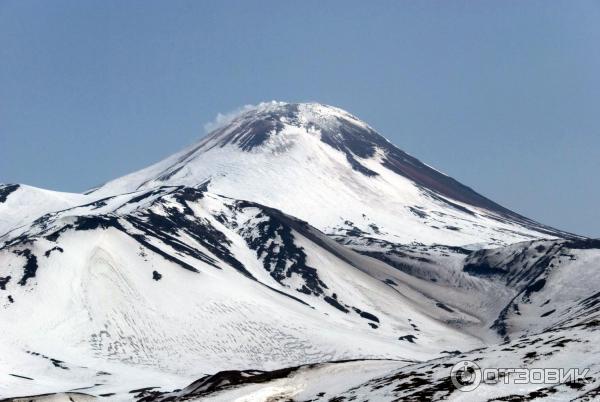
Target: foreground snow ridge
{"x": 293, "y": 253}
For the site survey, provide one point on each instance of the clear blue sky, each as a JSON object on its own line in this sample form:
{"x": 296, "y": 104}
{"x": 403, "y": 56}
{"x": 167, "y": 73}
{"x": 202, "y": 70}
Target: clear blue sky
{"x": 502, "y": 95}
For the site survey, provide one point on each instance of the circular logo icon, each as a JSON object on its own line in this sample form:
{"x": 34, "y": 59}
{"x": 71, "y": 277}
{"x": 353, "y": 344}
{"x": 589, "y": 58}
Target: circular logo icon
{"x": 465, "y": 375}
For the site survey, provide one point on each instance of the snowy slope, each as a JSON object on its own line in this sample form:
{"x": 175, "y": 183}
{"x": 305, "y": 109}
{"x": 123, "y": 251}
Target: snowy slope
{"x": 250, "y": 264}
{"x": 362, "y": 381}
{"x": 21, "y": 204}
{"x": 325, "y": 166}
{"x": 155, "y": 280}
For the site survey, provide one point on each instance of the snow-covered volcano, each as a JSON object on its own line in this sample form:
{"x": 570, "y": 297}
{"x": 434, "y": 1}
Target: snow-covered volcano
{"x": 323, "y": 165}
{"x": 291, "y": 237}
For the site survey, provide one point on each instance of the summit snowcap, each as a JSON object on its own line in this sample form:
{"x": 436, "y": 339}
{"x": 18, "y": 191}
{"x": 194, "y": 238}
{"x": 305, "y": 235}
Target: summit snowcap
{"x": 299, "y": 157}
{"x": 307, "y": 112}
{"x": 251, "y": 127}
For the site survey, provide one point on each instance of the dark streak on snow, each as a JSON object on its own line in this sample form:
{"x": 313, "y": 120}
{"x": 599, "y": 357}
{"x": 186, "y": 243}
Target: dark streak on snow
{"x": 30, "y": 267}
{"x": 6, "y": 190}
{"x": 55, "y": 248}
{"x": 444, "y": 307}
{"x": 409, "y": 338}
{"x": 21, "y": 376}
{"x": 366, "y": 315}
{"x": 4, "y": 281}
{"x": 55, "y": 362}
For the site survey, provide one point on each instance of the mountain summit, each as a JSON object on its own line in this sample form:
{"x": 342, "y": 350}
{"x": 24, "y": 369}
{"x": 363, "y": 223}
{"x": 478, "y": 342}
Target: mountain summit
{"x": 324, "y": 165}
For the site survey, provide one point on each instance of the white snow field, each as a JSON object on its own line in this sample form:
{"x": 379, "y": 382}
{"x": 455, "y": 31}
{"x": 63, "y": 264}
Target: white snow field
{"x": 291, "y": 254}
